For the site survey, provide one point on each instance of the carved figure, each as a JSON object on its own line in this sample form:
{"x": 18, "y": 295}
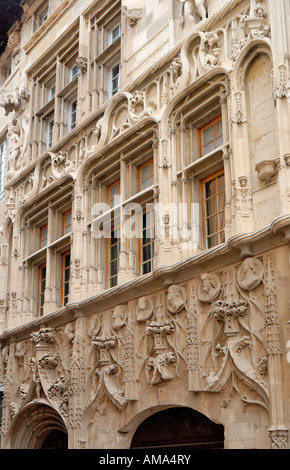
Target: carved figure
{"x": 189, "y": 8}
{"x": 164, "y": 367}
{"x": 14, "y": 147}
{"x": 119, "y": 317}
{"x": 35, "y": 376}
{"x": 45, "y": 335}
{"x": 250, "y": 274}
{"x": 82, "y": 63}
{"x": 14, "y": 44}
{"x": 144, "y": 309}
{"x": 209, "y": 287}
{"x": 211, "y": 47}
{"x": 175, "y": 299}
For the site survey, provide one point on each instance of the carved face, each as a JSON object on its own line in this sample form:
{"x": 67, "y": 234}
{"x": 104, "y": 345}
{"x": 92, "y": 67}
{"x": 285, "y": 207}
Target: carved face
{"x": 175, "y": 299}
{"x": 144, "y": 310}
{"x": 13, "y": 40}
{"x": 119, "y": 317}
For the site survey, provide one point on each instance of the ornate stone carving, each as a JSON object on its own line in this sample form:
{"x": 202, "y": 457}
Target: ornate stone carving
{"x": 176, "y": 299}
{"x": 209, "y": 287}
{"x": 162, "y": 363}
{"x": 107, "y": 373}
{"x": 82, "y": 63}
{"x": 144, "y": 309}
{"x": 163, "y": 367}
{"x": 189, "y": 7}
{"x": 210, "y": 48}
{"x": 11, "y": 99}
{"x": 266, "y": 170}
{"x": 228, "y": 313}
{"x": 279, "y": 438}
{"x": 45, "y": 336}
{"x": 133, "y": 15}
{"x": 59, "y": 392}
{"x": 192, "y": 340}
{"x": 14, "y": 44}
{"x": 250, "y": 274}
{"x": 119, "y": 317}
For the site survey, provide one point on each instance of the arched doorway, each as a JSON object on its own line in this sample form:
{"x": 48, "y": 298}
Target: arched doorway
{"x": 181, "y": 428}
{"x": 38, "y": 426}
{"x": 56, "y": 439}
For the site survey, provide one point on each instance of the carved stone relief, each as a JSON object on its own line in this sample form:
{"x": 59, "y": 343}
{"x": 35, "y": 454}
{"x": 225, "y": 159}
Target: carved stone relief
{"x": 250, "y": 274}
{"x": 13, "y": 99}
{"x": 209, "y": 287}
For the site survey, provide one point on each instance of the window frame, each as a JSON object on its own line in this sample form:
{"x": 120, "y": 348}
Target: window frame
{"x": 64, "y": 282}
{"x": 41, "y": 294}
{"x": 149, "y": 163}
{"x": 73, "y": 113}
{"x": 115, "y": 229}
{"x": 109, "y": 199}
{"x": 63, "y": 222}
{"x": 51, "y": 94}
{"x": 49, "y": 133}
{"x": 148, "y": 208}
{"x": 113, "y": 91}
{"x": 73, "y": 75}
{"x": 41, "y": 236}
{"x": 206, "y": 235}
{"x": 111, "y": 38}
{"x": 213, "y": 123}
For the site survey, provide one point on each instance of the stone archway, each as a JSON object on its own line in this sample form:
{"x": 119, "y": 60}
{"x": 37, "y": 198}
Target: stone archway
{"x": 38, "y": 426}
{"x": 179, "y": 427}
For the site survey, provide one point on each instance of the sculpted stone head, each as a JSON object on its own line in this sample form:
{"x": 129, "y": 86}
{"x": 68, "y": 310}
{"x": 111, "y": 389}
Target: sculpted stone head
{"x": 119, "y": 317}
{"x": 175, "y": 299}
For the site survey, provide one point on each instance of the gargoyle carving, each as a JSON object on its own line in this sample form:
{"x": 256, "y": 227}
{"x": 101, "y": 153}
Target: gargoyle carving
{"x": 11, "y": 99}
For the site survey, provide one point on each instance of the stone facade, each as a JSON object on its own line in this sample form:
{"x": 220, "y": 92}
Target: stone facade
{"x": 145, "y": 219}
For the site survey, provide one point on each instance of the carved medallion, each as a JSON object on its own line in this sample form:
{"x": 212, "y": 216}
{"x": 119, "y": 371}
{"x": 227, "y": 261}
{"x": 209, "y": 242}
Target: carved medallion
{"x": 176, "y": 298}
{"x": 144, "y": 309}
{"x": 250, "y": 274}
{"x": 209, "y": 287}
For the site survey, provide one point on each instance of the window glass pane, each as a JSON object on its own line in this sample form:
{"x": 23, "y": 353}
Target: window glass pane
{"x": 212, "y": 224}
{"x": 74, "y": 72}
{"x": 116, "y": 32}
{"x": 42, "y": 282}
{"x": 66, "y": 277}
{"x": 115, "y": 79}
{"x": 213, "y": 241}
{"x": 208, "y": 135}
{"x": 67, "y": 223}
{"x": 221, "y": 183}
{"x": 51, "y": 93}
{"x": 43, "y": 236}
{"x": 211, "y": 206}
{"x": 214, "y": 204}
{"x": 114, "y": 194}
{"x": 73, "y": 116}
{"x": 146, "y": 175}
{"x": 221, "y": 202}
{"x": 208, "y": 148}
{"x": 147, "y": 267}
{"x": 211, "y": 137}
{"x": 218, "y": 129}
{"x": 50, "y": 133}
{"x": 148, "y": 236}
{"x": 210, "y": 188}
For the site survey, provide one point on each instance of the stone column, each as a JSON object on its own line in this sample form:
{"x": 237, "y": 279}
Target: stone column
{"x": 278, "y": 431}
